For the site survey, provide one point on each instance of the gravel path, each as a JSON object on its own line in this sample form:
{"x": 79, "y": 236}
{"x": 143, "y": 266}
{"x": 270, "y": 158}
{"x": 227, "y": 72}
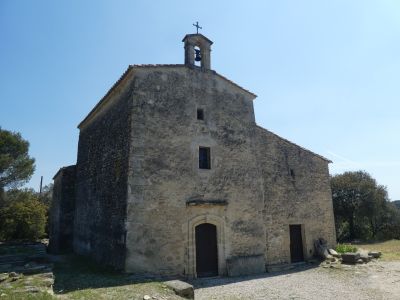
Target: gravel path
{"x": 376, "y": 280}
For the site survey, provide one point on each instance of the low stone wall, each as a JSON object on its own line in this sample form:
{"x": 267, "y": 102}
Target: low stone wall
{"x": 246, "y": 265}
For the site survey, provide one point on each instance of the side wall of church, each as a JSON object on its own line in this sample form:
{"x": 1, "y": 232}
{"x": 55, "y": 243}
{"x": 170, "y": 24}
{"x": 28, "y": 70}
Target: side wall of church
{"x": 61, "y": 217}
{"x": 168, "y": 195}
{"x": 296, "y": 191}
{"x": 101, "y": 189}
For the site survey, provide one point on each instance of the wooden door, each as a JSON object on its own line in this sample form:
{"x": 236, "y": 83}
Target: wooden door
{"x": 296, "y": 243}
{"x": 206, "y": 250}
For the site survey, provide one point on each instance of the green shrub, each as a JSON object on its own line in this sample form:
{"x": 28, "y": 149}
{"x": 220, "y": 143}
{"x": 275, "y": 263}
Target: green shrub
{"x": 343, "y": 248}
{"x": 22, "y": 216}
{"x": 342, "y": 230}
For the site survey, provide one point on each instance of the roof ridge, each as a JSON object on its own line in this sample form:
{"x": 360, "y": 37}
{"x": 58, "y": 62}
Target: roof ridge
{"x": 130, "y": 67}
{"x": 195, "y": 68}
{"x": 156, "y": 65}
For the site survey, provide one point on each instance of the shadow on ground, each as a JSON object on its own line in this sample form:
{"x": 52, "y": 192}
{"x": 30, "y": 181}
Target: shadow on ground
{"x": 216, "y": 281}
{"x": 23, "y": 258}
{"x": 74, "y": 273}
{"x": 78, "y": 273}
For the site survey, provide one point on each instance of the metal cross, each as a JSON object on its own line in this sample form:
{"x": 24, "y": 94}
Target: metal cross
{"x": 197, "y": 27}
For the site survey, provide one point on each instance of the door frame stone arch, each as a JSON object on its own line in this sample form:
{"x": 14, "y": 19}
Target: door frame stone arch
{"x": 220, "y": 225}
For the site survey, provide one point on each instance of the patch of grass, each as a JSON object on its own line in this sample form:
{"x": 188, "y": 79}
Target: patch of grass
{"x": 79, "y": 278}
{"x": 390, "y": 249}
{"x": 15, "y": 289}
{"x": 343, "y": 248}
{"x": 26, "y": 296}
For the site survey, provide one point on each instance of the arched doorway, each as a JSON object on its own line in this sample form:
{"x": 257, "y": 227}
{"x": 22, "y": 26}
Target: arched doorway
{"x": 206, "y": 250}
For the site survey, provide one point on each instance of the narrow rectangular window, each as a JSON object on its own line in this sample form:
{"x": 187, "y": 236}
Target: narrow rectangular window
{"x": 200, "y": 114}
{"x": 204, "y": 158}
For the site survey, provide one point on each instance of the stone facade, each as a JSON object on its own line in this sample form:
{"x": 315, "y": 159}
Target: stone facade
{"x": 140, "y": 194}
{"x": 296, "y": 191}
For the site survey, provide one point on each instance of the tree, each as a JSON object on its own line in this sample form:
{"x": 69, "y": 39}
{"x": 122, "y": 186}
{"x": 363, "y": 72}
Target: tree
{"x": 397, "y": 203}
{"x": 390, "y": 227}
{"x": 16, "y": 167}
{"x": 46, "y": 197}
{"x": 22, "y": 216}
{"x": 360, "y": 205}
{"x": 47, "y": 194}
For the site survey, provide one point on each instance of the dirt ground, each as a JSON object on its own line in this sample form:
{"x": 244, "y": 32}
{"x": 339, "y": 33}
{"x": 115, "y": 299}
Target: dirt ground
{"x": 74, "y": 277}
{"x": 375, "y": 280}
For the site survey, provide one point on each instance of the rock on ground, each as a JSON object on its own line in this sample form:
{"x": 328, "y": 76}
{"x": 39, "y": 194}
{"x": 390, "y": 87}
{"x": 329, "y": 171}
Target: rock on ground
{"x": 181, "y": 288}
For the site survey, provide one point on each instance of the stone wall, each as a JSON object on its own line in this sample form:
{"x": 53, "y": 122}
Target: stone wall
{"x": 296, "y": 191}
{"x": 101, "y": 190}
{"x": 165, "y": 175}
{"x": 62, "y": 210}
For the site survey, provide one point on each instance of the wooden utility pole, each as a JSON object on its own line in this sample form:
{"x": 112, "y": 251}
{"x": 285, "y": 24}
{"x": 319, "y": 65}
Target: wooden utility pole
{"x": 41, "y": 182}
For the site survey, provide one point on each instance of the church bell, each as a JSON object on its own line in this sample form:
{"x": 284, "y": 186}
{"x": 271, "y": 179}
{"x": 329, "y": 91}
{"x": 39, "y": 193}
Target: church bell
{"x": 197, "y": 55}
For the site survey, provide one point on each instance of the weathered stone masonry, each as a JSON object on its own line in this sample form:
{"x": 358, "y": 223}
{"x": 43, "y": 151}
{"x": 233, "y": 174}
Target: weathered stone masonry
{"x": 101, "y": 188}
{"x": 304, "y": 198}
{"x": 63, "y": 210}
{"x": 140, "y": 194}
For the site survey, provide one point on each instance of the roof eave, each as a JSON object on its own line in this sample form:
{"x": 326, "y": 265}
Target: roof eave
{"x": 294, "y": 144}
{"x": 197, "y": 34}
{"x": 102, "y": 100}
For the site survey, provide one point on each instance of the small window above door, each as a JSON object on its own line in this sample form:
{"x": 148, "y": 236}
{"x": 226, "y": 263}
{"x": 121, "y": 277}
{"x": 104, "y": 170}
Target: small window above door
{"x": 204, "y": 158}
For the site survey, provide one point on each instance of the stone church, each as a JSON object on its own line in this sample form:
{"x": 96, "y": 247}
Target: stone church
{"x": 174, "y": 177}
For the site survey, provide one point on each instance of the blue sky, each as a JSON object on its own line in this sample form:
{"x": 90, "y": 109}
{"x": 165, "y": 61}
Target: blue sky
{"x": 327, "y": 73}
